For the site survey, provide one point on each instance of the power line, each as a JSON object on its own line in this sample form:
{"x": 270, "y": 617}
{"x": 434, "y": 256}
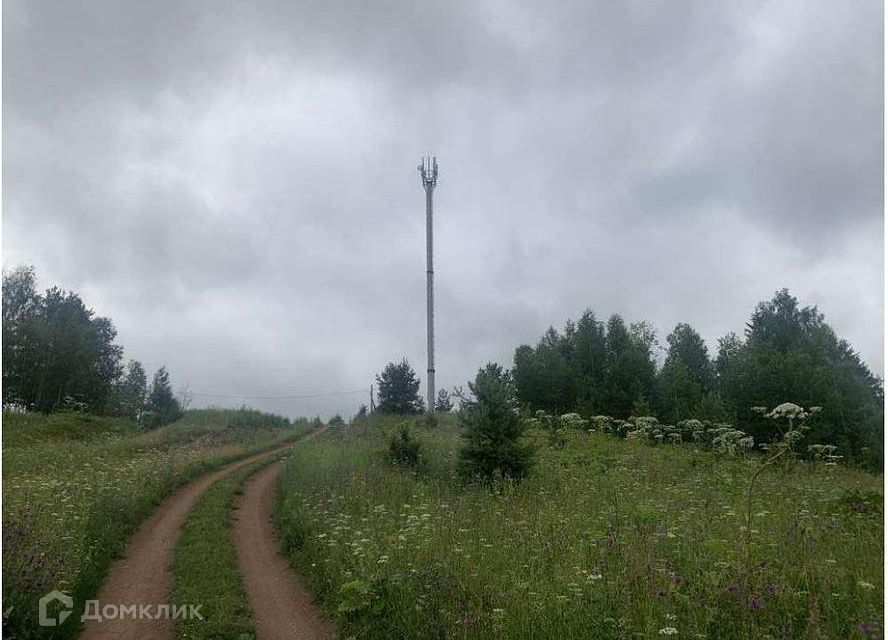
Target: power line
{"x": 293, "y": 397}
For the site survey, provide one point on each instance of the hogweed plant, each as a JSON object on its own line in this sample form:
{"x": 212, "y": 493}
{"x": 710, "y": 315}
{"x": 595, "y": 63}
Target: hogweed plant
{"x": 730, "y": 441}
{"x": 551, "y": 425}
{"x": 693, "y": 429}
{"x": 556, "y": 427}
{"x": 825, "y": 453}
{"x": 790, "y": 420}
{"x": 573, "y": 421}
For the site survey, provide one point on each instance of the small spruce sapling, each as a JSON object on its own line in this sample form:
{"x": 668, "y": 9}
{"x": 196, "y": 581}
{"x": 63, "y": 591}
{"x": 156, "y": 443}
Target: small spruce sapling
{"x": 443, "y": 403}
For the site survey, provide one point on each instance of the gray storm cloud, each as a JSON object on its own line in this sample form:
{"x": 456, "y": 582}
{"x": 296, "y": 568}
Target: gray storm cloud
{"x": 234, "y": 183}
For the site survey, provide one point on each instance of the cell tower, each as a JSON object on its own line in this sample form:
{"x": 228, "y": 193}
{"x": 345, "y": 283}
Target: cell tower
{"x": 428, "y": 169}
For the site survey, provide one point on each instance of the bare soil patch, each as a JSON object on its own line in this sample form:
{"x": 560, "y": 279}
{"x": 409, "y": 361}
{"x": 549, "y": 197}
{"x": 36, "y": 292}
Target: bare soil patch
{"x": 281, "y": 606}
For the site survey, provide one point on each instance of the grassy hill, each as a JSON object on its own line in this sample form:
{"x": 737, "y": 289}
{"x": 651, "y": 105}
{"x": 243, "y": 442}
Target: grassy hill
{"x": 606, "y": 538}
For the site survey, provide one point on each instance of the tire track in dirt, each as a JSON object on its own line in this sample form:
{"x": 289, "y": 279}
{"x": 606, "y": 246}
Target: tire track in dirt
{"x": 282, "y": 608}
{"x": 142, "y": 576}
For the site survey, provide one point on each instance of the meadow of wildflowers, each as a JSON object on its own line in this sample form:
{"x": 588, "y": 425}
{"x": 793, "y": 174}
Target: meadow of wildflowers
{"x": 75, "y": 487}
{"x": 607, "y": 538}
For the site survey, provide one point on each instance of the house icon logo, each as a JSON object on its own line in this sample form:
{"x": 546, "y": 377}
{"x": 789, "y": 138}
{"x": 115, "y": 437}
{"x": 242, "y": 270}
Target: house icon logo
{"x": 67, "y": 603}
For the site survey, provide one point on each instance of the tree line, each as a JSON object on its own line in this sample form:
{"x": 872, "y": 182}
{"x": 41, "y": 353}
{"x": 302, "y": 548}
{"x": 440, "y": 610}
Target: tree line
{"x": 788, "y": 353}
{"x": 58, "y": 354}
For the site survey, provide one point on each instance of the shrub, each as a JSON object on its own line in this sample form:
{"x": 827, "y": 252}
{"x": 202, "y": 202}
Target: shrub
{"x": 404, "y": 449}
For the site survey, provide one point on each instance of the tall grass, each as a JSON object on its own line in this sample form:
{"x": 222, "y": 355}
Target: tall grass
{"x": 75, "y": 488}
{"x": 605, "y": 539}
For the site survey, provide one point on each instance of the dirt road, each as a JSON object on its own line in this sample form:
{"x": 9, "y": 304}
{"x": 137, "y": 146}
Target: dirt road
{"x": 282, "y": 608}
{"x": 142, "y": 576}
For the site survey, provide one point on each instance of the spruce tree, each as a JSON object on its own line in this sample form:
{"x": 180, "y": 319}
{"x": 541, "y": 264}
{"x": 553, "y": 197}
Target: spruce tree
{"x": 443, "y": 403}
{"x": 162, "y": 407}
{"x": 130, "y": 391}
{"x": 399, "y": 389}
{"x": 687, "y": 376}
{"x": 791, "y": 354}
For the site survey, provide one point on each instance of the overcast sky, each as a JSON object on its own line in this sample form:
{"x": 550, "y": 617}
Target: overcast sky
{"x": 235, "y": 184}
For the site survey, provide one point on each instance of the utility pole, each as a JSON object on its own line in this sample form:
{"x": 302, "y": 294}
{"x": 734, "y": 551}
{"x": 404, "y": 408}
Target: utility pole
{"x": 428, "y": 169}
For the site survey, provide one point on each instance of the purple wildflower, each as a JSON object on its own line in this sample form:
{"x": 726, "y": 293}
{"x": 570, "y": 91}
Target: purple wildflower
{"x": 869, "y": 629}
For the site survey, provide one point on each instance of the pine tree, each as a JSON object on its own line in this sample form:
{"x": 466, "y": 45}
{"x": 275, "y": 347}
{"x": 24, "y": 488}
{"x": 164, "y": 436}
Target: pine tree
{"x": 492, "y": 430}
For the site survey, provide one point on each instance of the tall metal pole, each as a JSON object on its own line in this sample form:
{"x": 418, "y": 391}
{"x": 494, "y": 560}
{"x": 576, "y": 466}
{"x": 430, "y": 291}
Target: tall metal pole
{"x": 429, "y": 172}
